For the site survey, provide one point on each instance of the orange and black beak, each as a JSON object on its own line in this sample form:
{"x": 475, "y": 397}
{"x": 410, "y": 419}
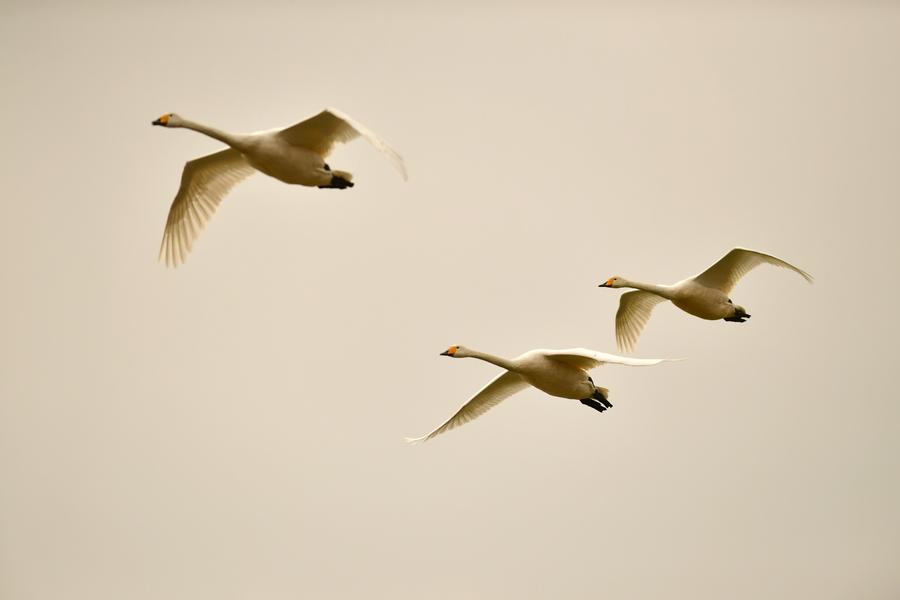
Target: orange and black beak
{"x": 608, "y": 283}
{"x": 163, "y": 120}
{"x": 450, "y": 351}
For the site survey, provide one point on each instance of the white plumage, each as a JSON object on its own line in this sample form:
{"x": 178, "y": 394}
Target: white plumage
{"x": 560, "y": 373}
{"x": 294, "y": 155}
{"x": 704, "y": 296}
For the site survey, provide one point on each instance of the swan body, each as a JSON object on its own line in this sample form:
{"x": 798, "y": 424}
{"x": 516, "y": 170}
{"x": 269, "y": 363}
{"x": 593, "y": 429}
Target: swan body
{"x": 560, "y": 373}
{"x": 705, "y": 296}
{"x": 294, "y": 155}
{"x": 290, "y": 164}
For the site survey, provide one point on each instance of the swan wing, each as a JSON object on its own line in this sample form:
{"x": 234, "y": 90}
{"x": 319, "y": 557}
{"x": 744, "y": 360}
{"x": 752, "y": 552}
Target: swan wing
{"x": 321, "y": 132}
{"x": 586, "y": 359}
{"x": 634, "y": 312}
{"x": 204, "y": 182}
{"x": 498, "y": 390}
{"x": 725, "y": 274}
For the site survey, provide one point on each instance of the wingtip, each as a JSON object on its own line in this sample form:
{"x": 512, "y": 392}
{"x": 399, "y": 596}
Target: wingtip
{"x": 399, "y": 164}
{"x": 416, "y": 441}
{"x": 170, "y": 262}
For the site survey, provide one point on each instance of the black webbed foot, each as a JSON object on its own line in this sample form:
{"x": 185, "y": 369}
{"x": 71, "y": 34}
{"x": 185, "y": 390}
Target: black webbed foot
{"x": 593, "y": 404}
{"x": 600, "y": 397}
{"x": 737, "y": 319}
{"x": 337, "y": 183}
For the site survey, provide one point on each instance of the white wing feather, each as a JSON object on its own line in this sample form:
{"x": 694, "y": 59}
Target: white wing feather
{"x": 321, "y": 132}
{"x": 634, "y": 312}
{"x": 586, "y": 359}
{"x": 725, "y": 274}
{"x": 498, "y": 390}
{"x": 204, "y": 182}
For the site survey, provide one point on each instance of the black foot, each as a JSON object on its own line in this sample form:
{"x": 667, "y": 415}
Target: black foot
{"x": 737, "y": 319}
{"x": 337, "y": 183}
{"x": 594, "y": 404}
{"x": 600, "y": 397}
{"x": 340, "y": 183}
{"x": 602, "y": 400}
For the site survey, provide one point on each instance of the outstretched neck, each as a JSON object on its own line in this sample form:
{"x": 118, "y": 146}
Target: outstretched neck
{"x": 494, "y": 360}
{"x": 224, "y": 137}
{"x": 660, "y": 290}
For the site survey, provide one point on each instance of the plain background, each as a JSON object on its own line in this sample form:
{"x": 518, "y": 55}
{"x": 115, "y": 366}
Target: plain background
{"x": 234, "y": 428}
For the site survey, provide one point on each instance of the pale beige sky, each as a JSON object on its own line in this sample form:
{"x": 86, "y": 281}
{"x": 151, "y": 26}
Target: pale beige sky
{"x": 234, "y": 428}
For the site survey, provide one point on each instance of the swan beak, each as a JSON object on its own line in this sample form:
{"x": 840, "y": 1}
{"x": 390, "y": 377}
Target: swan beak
{"x": 608, "y": 283}
{"x": 163, "y": 120}
{"x": 446, "y": 353}
{"x": 157, "y": 122}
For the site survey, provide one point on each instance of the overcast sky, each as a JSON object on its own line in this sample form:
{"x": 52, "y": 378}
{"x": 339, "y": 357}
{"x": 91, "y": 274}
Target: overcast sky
{"x": 233, "y": 429}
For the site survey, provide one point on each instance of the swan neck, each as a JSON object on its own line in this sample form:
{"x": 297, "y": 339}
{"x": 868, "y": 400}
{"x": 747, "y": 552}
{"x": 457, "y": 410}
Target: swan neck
{"x": 659, "y": 290}
{"x": 494, "y": 360}
{"x": 212, "y": 132}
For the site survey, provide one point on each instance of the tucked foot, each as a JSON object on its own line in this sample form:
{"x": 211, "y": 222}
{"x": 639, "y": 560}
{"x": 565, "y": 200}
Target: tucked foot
{"x": 337, "y": 183}
{"x": 603, "y": 401}
{"x": 737, "y": 318}
{"x": 593, "y": 404}
{"x": 740, "y": 315}
{"x": 601, "y": 395}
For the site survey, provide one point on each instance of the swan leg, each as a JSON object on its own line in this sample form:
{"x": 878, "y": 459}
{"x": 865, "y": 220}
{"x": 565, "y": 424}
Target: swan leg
{"x": 593, "y": 404}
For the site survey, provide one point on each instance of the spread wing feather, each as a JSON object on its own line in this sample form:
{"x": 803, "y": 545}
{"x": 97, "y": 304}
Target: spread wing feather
{"x": 587, "y": 359}
{"x": 725, "y": 274}
{"x": 498, "y": 390}
{"x": 321, "y": 132}
{"x": 634, "y": 312}
{"x": 204, "y": 182}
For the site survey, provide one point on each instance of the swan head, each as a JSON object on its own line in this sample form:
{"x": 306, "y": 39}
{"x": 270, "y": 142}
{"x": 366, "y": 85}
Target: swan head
{"x": 168, "y": 120}
{"x": 456, "y": 352}
{"x": 614, "y": 282}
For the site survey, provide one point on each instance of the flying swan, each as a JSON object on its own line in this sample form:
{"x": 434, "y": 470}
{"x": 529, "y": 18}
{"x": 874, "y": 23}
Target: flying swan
{"x": 704, "y": 296}
{"x": 293, "y": 155}
{"x": 560, "y": 373}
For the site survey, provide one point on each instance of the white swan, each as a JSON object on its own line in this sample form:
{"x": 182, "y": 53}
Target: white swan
{"x": 561, "y": 373}
{"x": 293, "y": 155}
{"x": 704, "y": 296}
